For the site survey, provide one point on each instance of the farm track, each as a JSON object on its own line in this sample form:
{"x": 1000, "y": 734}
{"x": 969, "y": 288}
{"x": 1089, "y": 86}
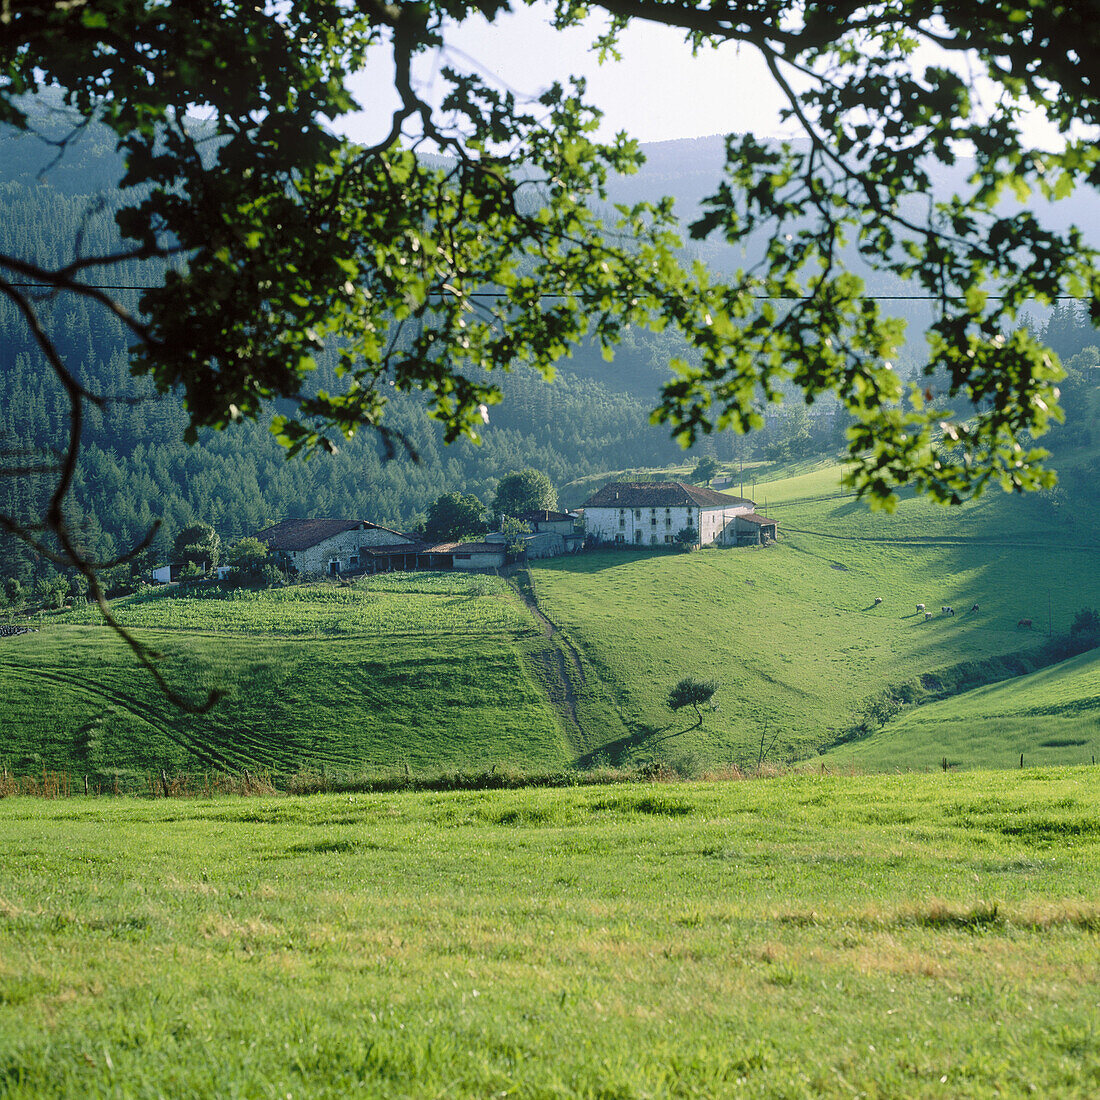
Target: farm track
{"x": 548, "y": 663}
{"x": 552, "y": 630}
{"x": 562, "y": 669}
{"x": 207, "y": 756}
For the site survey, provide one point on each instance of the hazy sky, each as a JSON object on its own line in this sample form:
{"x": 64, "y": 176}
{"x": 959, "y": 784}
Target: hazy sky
{"x": 658, "y": 92}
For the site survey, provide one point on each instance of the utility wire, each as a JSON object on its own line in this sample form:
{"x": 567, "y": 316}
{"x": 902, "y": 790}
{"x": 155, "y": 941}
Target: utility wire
{"x": 554, "y": 294}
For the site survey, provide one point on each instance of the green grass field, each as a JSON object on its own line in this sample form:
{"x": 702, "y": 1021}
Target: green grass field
{"x": 419, "y": 604}
{"x": 412, "y": 671}
{"x": 437, "y": 671}
{"x": 792, "y": 632}
{"x": 1050, "y": 717}
{"x": 917, "y": 936}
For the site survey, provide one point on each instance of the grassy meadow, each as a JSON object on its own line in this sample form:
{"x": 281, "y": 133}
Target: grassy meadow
{"x": 916, "y": 935}
{"x": 1048, "y": 717}
{"x": 411, "y": 672}
{"x": 444, "y": 671}
{"x": 792, "y": 632}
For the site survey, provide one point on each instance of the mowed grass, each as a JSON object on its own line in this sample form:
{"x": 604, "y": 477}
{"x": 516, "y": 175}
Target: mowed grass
{"x": 920, "y": 935}
{"x": 383, "y": 606}
{"x": 792, "y": 632}
{"x": 1049, "y": 716}
{"x": 323, "y": 690}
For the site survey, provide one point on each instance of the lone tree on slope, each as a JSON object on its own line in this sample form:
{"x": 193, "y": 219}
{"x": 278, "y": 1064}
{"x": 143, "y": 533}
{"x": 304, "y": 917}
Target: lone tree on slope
{"x": 705, "y": 469}
{"x": 697, "y": 694}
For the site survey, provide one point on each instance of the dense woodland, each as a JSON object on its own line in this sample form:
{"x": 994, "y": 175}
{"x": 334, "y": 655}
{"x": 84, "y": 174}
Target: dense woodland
{"x": 135, "y": 469}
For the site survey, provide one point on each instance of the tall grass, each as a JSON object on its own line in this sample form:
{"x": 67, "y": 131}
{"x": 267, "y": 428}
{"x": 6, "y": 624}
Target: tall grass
{"x": 802, "y": 937}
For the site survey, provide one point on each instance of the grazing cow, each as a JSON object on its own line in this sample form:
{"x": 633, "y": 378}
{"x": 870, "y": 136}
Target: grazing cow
{"x": 949, "y": 611}
{"x": 943, "y": 610}
{"x": 1025, "y": 623}
{"x": 920, "y": 607}
{"x": 927, "y": 615}
{"x": 878, "y": 600}
{"x": 974, "y": 608}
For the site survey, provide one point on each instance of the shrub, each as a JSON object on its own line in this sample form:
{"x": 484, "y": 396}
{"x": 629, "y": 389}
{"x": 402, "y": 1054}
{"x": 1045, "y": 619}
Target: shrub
{"x": 1086, "y": 622}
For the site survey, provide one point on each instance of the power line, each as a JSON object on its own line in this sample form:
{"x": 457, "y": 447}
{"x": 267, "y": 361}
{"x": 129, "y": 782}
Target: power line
{"x": 556, "y": 294}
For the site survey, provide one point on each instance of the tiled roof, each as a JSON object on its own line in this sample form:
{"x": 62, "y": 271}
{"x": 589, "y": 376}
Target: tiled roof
{"x": 660, "y": 494}
{"x": 301, "y": 534}
{"x": 393, "y": 548}
{"x": 758, "y": 519}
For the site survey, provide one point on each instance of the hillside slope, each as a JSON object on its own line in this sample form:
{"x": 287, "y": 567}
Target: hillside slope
{"x": 418, "y": 671}
{"x": 793, "y": 633}
{"x": 1049, "y": 717}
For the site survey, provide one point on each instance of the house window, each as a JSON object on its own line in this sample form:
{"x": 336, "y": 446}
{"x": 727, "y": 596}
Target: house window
{"x": 668, "y": 522}
{"x": 622, "y": 520}
{"x": 652, "y": 540}
{"x": 620, "y": 538}
{"x": 637, "y": 536}
{"x": 652, "y": 521}
{"x": 668, "y": 538}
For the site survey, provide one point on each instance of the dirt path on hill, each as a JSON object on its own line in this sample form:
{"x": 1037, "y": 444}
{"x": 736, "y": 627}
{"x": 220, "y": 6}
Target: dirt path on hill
{"x": 557, "y": 664}
{"x": 526, "y": 589}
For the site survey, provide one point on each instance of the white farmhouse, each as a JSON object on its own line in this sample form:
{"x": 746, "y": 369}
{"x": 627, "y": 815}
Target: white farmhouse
{"x": 651, "y": 513}
{"x": 334, "y": 546}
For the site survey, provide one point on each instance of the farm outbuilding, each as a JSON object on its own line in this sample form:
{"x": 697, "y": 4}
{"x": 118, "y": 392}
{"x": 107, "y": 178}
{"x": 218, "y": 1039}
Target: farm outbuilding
{"x": 754, "y": 529}
{"x": 480, "y": 555}
{"x": 335, "y": 546}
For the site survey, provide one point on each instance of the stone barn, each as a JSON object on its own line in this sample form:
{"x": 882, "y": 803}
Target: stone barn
{"x": 335, "y": 546}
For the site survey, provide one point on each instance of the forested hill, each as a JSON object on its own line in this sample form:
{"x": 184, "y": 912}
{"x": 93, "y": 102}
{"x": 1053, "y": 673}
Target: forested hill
{"x": 134, "y": 467}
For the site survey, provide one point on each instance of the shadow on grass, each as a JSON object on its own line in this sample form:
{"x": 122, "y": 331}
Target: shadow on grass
{"x": 619, "y": 752}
